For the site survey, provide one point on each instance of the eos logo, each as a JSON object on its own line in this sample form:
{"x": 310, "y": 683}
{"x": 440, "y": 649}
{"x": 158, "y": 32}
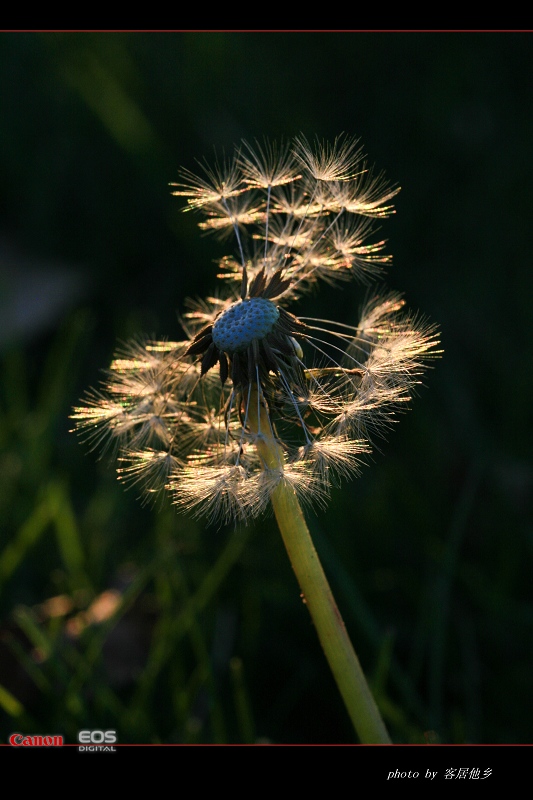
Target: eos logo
{"x": 97, "y": 741}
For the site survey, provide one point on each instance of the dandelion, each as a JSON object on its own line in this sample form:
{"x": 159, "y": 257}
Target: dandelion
{"x": 257, "y": 405}
{"x": 190, "y": 417}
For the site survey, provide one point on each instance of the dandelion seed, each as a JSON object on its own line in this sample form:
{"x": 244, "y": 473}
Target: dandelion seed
{"x": 340, "y": 161}
{"x": 192, "y": 417}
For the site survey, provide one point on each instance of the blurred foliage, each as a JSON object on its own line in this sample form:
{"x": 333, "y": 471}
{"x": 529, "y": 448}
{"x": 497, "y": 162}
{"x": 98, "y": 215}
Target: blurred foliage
{"x": 113, "y": 614}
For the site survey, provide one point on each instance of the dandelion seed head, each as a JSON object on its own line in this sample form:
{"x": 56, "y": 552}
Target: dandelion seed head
{"x": 255, "y": 397}
{"x": 237, "y": 327}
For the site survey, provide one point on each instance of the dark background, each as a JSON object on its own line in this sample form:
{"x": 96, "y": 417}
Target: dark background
{"x": 169, "y": 631}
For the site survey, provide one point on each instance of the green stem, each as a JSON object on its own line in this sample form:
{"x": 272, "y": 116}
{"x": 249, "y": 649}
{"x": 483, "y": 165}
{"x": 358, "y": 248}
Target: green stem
{"x": 316, "y": 592}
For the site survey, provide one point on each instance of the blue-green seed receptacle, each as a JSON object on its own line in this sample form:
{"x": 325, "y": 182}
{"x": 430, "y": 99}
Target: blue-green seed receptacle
{"x": 243, "y": 322}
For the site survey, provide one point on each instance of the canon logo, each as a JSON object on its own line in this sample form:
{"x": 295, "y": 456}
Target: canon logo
{"x": 20, "y": 740}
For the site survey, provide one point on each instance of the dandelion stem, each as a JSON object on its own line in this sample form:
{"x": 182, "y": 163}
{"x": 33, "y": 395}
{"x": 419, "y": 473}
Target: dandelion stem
{"x": 316, "y": 591}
